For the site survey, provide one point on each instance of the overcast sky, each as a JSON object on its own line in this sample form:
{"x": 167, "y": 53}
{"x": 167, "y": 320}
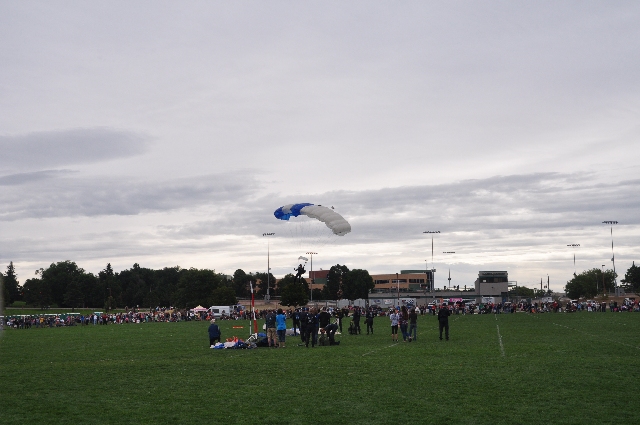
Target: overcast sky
{"x": 167, "y": 133}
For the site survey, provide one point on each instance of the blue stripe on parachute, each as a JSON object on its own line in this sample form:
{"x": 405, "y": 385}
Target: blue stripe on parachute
{"x": 295, "y": 211}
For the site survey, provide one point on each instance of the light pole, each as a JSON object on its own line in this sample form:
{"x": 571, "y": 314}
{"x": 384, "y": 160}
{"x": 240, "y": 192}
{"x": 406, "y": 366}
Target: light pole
{"x": 449, "y": 252}
{"x": 426, "y": 274}
{"x": 613, "y": 257}
{"x": 541, "y": 290}
{"x": 433, "y": 270}
{"x": 604, "y": 288}
{"x": 311, "y": 274}
{"x": 268, "y": 297}
{"x": 574, "y": 245}
{"x": 398, "y": 286}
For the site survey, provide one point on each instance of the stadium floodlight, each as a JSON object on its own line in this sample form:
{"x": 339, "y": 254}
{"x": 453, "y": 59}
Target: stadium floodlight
{"x": 613, "y": 257}
{"x": 311, "y": 273}
{"x": 574, "y": 245}
{"x": 268, "y": 297}
{"x": 433, "y": 270}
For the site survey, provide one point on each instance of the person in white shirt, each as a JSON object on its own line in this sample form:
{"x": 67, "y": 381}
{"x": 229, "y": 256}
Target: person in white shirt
{"x": 394, "y": 317}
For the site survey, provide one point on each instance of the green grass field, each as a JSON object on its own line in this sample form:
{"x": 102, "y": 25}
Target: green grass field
{"x": 518, "y": 368}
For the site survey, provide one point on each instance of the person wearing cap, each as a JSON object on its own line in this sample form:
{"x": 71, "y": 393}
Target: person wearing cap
{"x": 214, "y": 333}
{"x": 311, "y": 330}
{"x": 296, "y": 321}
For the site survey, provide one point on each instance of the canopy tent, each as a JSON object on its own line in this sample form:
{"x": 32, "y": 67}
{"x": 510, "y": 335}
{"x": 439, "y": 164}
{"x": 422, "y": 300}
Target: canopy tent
{"x": 199, "y": 309}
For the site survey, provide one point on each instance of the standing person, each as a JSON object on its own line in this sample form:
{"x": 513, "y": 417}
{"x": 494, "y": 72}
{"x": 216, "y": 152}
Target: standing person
{"x": 281, "y": 327}
{"x": 404, "y": 322}
{"x": 304, "y": 316}
{"x": 214, "y": 333}
{"x": 413, "y": 324}
{"x": 356, "y": 320}
{"x": 296, "y": 321}
{"x": 340, "y": 316}
{"x": 368, "y": 319}
{"x": 394, "y": 318}
{"x": 311, "y": 332}
{"x": 324, "y": 317}
{"x": 270, "y": 322}
{"x": 443, "y": 320}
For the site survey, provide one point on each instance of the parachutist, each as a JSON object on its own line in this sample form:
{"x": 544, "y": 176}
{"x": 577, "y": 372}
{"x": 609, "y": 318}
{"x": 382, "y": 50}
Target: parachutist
{"x": 300, "y": 271}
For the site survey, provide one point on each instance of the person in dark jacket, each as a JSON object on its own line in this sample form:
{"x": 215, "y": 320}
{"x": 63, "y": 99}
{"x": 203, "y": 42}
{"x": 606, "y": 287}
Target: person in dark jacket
{"x": 368, "y": 319}
{"x": 304, "y": 315}
{"x": 214, "y": 333}
{"x": 296, "y": 321}
{"x": 413, "y": 325}
{"x": 270, "y": 322}
{"x": 324, "y": 317}
{"x": 356, "y": 320}
{"x": 443, "y": 320}
{"x": 340, "y": 316}
{"x": 331, "y": 333}
{"x": 311, "y": 331}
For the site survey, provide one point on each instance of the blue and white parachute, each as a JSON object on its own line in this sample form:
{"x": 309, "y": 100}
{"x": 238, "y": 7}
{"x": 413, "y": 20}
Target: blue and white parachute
{"x": 334, "y": 221}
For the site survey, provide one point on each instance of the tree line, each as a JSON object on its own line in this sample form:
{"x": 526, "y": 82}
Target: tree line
{"x": 595, "y": 281}
{"x": 65, "y": 284}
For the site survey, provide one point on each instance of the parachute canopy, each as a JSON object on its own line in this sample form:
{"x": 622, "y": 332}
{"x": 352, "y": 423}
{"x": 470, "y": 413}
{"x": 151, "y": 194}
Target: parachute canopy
{"x": 334, "y": 221}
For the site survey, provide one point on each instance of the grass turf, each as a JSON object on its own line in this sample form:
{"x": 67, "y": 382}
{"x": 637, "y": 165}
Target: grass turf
{"x": 517, "y": 368}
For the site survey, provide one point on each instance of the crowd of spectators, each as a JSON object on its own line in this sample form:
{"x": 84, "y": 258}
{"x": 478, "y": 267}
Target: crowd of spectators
{"x": 159, "y": 314}
{"x": 169, "y": 314}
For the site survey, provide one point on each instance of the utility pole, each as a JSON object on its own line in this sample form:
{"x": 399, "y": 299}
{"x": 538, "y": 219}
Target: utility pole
{"x": 574, "y": 245}
{"x": 268, "y": 297}
{"x": 310, "y": 275}
{"x": 613, "y": 257}
{"x": 433, "y": 270}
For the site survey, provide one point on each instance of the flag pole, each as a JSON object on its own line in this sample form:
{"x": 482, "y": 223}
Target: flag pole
{"x": 253, "y": 311}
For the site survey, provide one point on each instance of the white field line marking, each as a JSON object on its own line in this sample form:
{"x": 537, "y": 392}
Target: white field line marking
{"x": 392, "y": 345}
{"x": 500, "y": 341}
{"x": 596, "y": 336}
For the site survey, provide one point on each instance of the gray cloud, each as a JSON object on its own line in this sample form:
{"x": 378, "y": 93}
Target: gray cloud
{"x": 497, "y": 207}
{"x": 23, "y": 178}
{"x": 76, "y": 196}
{"x": 49, "y": 149}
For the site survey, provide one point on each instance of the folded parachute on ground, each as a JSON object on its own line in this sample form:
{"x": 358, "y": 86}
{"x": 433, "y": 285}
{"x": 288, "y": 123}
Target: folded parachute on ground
{"x": 334, "y": 221}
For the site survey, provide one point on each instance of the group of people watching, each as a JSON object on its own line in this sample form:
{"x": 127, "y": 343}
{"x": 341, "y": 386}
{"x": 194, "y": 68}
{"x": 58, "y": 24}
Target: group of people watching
{"x": 407, "y": 321}
{"x": 308, "y": 322}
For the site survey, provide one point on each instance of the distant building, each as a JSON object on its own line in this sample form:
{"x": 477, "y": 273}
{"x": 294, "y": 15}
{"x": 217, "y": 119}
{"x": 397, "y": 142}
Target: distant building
{"x": 492, "y": 284}
{"x": 390, "y": 288}
{"x": 317, "y": 279}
